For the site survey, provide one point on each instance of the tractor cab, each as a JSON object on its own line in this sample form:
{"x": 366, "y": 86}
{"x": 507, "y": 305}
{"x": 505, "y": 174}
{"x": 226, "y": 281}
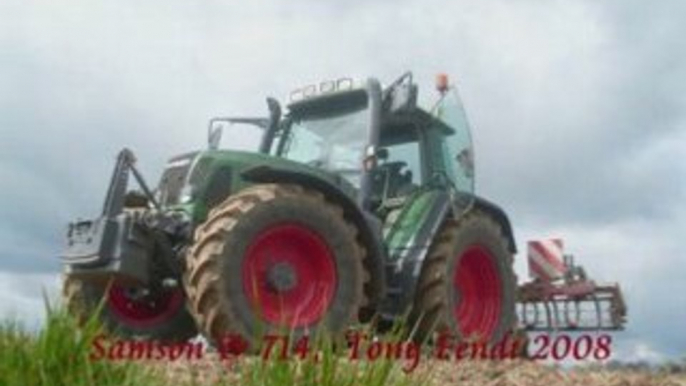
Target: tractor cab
{"x": 379, "y": 140}
{"x": 375, "y": 142}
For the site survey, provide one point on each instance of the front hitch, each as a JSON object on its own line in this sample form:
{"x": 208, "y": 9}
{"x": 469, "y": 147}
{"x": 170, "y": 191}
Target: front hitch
{"x": 116, "y": 193}
{"x": 116, "y": 244}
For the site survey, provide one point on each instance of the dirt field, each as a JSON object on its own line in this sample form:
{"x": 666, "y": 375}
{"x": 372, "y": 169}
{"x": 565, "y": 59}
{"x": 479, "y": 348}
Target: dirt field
{"x": 532, "y": 374}
{"x": 481, "y": 373}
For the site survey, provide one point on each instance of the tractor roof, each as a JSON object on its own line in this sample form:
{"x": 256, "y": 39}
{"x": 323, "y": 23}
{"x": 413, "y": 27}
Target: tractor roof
{"x": 402, "y": 127}
{"x": 325, "y": 104}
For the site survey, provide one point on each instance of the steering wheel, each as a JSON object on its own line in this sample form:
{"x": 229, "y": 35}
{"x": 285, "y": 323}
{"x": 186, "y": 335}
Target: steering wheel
{"x": 395, "y": 166}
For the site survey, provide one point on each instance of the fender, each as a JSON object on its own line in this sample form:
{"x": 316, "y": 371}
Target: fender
{"x": 500, "y": 216}
{"x": 369, "y": 233}
{"x": 408, "y": 245}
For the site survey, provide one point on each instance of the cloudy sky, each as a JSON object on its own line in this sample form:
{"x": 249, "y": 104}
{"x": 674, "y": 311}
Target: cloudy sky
{"x": 577, "y": 109}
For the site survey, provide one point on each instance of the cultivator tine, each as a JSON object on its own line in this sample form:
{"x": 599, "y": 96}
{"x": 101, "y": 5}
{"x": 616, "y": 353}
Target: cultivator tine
{"x": 602, "y": 309}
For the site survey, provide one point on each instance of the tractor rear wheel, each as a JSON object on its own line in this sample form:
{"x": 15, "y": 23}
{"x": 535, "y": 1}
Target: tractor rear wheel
{"x": 467, "y": 284}
{"x": 131, "y": 312}
{"x": 275, "y": 256}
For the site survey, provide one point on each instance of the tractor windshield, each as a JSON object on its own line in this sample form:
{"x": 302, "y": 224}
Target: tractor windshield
{"x": 333, "y": 141}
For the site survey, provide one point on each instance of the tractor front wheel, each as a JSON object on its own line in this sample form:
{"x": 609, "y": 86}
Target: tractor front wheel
{"x": 131, "y": 311}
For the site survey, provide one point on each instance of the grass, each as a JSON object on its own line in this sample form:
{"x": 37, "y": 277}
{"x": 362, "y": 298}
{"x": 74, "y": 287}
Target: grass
{"x": 323, "y": 365}
{"x": 58, "y": 354}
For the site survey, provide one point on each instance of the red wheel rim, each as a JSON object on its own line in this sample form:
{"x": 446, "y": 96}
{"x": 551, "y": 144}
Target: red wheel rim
{"x": 303, "y": 262}
{"x": 478, "y": 293}
{"x": 145, "y": 311}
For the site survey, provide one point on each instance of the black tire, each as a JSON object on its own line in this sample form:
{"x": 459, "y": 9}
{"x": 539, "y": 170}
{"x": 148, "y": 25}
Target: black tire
{"x": 82, "y": 299}
{"x": 230, "y": 244}
{"x": 475, "y": 243}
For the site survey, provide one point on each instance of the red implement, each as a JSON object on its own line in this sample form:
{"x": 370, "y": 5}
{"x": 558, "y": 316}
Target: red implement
{"x": 561, "y": 296}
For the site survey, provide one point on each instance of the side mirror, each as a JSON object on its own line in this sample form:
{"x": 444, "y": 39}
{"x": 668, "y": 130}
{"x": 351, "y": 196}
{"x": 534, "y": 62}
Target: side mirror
{"x": 401, "y": 95}
{"x": 403, "y": 98}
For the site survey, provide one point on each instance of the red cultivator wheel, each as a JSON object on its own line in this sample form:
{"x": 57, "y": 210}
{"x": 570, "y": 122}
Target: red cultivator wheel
{"x": 479, "y": 292}
{"x": 289, "y": 273}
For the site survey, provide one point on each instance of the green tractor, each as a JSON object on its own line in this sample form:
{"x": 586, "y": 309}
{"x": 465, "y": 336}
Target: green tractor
{"x": 358, "y": 204}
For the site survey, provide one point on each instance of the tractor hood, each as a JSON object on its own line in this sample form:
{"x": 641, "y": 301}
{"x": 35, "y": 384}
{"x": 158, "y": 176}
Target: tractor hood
{"x": 201, "y": 180}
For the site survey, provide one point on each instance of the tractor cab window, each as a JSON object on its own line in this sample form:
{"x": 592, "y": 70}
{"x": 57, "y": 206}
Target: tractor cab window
{"x": 398, "y": 172}
{"x": 406, "y": 157}
{"x": 332, "y": 139}
{"x": 458, "y": 154}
